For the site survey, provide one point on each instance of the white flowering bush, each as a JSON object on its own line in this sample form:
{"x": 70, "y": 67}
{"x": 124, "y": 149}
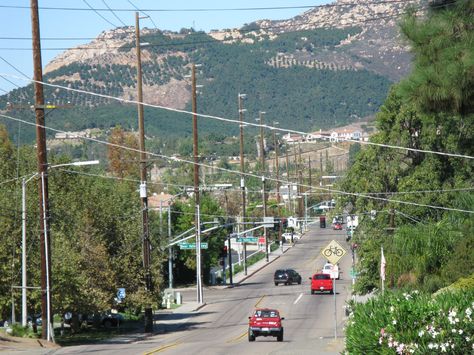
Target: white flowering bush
{"x": 412, "y": 323}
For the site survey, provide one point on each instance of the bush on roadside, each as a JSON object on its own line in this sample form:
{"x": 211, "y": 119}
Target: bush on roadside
{"x": 23, "y": 332}
{"x": 412, "y": 323}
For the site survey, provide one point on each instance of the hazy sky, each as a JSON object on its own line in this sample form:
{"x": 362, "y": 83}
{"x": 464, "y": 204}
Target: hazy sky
{"x": 88, "y": 24}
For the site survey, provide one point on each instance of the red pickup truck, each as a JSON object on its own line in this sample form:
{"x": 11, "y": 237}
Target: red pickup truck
{"x": 265, "y": 322}
{"x": 321, "y": 283}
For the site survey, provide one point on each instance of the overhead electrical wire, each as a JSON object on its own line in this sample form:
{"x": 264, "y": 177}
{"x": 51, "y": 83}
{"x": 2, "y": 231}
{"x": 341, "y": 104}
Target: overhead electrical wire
{"x": 98, "y": 13}
{"x": 351, "y": 24}
{"x": 228, "y": 120}
{"x": 113, "y": 13}
{"x": 144, "y": 13}
{"x": 336, "y": 5}
{"x": 361, "y": 195}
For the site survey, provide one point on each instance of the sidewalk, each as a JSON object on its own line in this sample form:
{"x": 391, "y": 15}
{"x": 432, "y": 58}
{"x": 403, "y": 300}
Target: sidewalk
{"x": 238, "y": 278}
{"x": 165, "y": 320}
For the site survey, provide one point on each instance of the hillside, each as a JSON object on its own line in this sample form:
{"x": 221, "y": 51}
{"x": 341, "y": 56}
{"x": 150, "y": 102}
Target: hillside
{"x": 327, "y": 67}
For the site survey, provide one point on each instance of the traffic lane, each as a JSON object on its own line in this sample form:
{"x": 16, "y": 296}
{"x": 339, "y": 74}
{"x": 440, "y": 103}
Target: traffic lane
{"x": 284, "y": 298}
{"x": 227, "y": 317}
{"x": 222, "y": 324}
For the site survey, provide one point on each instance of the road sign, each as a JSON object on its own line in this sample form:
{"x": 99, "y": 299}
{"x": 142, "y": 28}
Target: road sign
{"x": 268, "y": 222}
{"x": 333, "y": 252}
{"x": 353, "y": 273}
{"x": 192, "y": 245}
{"x": 121, "y": 293}
{"x": 247, "y": 240}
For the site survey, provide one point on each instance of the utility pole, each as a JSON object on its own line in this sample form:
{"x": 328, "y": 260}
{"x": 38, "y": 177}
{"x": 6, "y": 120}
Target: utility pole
{"x": 242, "y": 171}
{"x": 143, "y": 185}
{"x": 264, "y": 193}
{"x": 46, "y": 314}
{"x": 300, "y": 183}
{"x": 288, "y": 178}
{"x": 170, "y": 250}
{"x": 310, "y": 182}
{"x": 277, "y": 168}
{"x": 196, "y": 188}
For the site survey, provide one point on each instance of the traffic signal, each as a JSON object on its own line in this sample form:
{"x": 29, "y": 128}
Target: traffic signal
{"x": 224, "y": 251}
{"x": 276, "y": 224}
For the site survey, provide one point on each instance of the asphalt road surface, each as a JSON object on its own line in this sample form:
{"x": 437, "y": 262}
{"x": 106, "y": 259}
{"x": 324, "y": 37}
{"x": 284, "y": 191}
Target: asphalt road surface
{"x": 221, "y": 326}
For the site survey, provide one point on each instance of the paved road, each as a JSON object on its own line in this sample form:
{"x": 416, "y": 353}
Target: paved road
{"x": 221, "y": 326}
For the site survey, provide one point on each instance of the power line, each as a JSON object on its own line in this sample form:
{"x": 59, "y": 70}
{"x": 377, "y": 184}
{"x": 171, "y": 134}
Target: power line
{"x": 361, "y": 195}
{"x": 228, "y": 120}
{"x": 143, "y": 12}
{"x": 275, "y": 27}
{"x": 113, "y": 13}
{"x": 212, "y": 9}
{"x": 97, "y": 12}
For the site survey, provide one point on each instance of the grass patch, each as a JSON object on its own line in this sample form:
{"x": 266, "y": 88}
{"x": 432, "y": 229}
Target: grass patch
{"x": 88, "y": 335}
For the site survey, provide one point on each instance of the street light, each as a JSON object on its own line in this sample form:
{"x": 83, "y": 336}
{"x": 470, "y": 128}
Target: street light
{"x": 23, "y": 246}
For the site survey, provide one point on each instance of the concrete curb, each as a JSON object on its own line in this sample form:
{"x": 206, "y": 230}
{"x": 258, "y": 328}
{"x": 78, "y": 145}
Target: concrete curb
{"x": 260, "y": 268}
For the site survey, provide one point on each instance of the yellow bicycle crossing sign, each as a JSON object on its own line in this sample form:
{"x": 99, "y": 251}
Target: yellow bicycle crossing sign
{"x": 333, "y": 252}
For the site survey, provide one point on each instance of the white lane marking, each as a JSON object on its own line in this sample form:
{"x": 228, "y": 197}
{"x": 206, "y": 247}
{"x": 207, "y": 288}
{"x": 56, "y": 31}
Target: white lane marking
{"x": 299, "y": 297}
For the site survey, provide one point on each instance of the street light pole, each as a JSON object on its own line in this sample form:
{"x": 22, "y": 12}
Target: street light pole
{"x": 23, "y": 253}
{"x": 277, "y": 168}
{"x": 264, "y": 194}
{"x": 24, "y": 286}
{"x": 170, "y": 250}
{"x": 242, "y": 171}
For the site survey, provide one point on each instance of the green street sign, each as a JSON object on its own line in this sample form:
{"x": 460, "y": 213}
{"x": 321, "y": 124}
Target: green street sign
{"x": 247, "y": 240}
{"x": 353, "y": 273}
{"x": 192, "y": 245}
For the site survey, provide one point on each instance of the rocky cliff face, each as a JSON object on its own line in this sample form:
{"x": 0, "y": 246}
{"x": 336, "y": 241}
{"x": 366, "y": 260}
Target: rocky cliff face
{"x": 108, "y": 63}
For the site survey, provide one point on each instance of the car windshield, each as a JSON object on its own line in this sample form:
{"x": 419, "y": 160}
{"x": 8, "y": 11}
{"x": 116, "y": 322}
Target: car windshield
{"x": 321, "y": 277}
{"x": 328, "y": 267}
{"x": 266, "y": 314}
{"x": 279, "y": 272}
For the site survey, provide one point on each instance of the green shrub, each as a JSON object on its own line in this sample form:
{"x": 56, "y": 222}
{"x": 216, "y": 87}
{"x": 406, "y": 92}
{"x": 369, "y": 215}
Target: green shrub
{"x": 24, "y": 332}
{"x": 412, "y": 323}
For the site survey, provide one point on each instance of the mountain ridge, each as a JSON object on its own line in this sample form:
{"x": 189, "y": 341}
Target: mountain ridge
{"x": 318, "y": 46}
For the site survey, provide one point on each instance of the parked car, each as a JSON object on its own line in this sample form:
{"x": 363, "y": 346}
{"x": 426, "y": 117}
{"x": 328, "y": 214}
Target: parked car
{"x": 331, "y": 270}
{"x": 337, "y": 226}
{"x": 321, "y": 283}
{"x": 287, "y": 236}
{"x": 287, "y": 277}
{"x": 106, "y": 320}
{"x": 265, "y": 322}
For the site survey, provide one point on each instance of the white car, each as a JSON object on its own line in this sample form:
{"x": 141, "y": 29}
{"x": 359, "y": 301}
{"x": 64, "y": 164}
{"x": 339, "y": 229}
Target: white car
{"x": 287, "y": 237}
{"x": 332, "y": 270}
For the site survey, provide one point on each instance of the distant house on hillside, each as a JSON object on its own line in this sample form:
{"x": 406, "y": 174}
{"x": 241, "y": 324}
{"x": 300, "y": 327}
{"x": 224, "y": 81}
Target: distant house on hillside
{"x": 341, "y": 134}
{"x": 157, "y": 201}
{"x": 293, "y": 138}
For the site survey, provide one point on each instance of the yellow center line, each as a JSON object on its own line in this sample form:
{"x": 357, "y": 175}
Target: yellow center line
{"x": 164, "y": 347}
{"x": 237, "y": 338}
{"x": 260, "y": 300}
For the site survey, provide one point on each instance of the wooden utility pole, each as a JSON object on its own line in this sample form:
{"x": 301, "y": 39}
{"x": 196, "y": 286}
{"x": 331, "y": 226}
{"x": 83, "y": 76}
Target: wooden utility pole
{"x": 143, "y": 181}
{"x": 310, "y": 182}
{"x": 288, "y": 177}
{"x": 199, "y": 294}
{"x": 300, "y": 184}
{"x": 242, "y": 171}
{"x": 46, "y": 309}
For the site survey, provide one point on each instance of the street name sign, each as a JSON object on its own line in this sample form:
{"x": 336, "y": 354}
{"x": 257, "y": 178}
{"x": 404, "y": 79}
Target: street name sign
{"x": 192, "y": 245}
{"x": 333, "y": 252}
{"x": 247, "y": 240}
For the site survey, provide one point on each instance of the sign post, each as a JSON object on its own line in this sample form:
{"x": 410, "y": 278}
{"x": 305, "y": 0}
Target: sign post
{"x": 333, "y": 252}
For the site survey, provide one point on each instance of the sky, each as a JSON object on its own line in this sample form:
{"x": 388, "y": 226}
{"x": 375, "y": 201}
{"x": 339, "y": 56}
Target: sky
{"x": 16, "y": 23}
